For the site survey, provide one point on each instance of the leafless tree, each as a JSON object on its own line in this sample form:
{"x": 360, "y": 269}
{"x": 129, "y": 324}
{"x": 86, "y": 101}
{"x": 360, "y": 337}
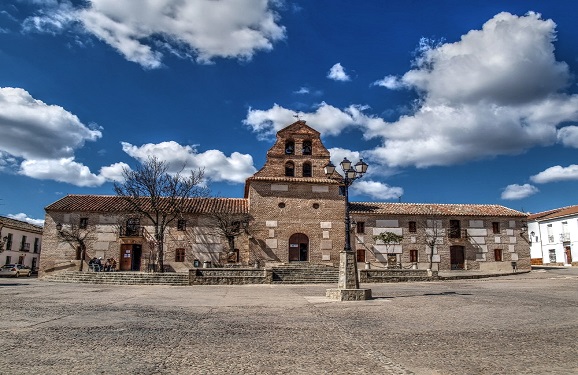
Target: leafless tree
{"x": 79, "y": 236}
{"x": 152, "y": 192}
{"x": 433, "y": 233}
{"x": 230, "y": 225}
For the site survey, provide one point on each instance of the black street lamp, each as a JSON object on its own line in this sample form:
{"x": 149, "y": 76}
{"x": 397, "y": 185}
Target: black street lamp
{"x": 348, "y": 286}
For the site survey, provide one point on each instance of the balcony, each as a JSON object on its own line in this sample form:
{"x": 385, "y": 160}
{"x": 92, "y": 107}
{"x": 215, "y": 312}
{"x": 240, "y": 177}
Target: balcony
{"x": 456, "y": 233}
{"x": 131, "y": 231}
{"x": 25, "y": 246}
{"x": 565, "y": 237}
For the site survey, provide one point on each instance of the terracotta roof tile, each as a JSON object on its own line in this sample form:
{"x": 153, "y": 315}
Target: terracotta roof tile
{"x": 113, "y": 203}
{"x": 22, "y": 225}
{"x": 555, "y": 213}
{"x": 433, "y": 209}
{"x": 294, "y": 179}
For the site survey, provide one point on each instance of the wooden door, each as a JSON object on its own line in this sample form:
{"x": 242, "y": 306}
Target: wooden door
{"x": 568, "y": 255}
{"x": 125, "y": 257}
{"x": 457, "y": 257}
{"x": 298, "y": 248}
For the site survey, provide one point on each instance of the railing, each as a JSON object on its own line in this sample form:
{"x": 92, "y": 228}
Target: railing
{"x": 25, "y": 246}
{"x": 131, "y": 231}
{"x": 565, "y": 237}
{"x": 455, "y": 233}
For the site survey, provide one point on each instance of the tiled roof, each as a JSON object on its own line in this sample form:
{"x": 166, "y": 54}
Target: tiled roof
{"x": 113, "y": 203}
{"x": 21, "y": 225}
{"x": 433, "y": 209}
{"x": 555, "y": 213}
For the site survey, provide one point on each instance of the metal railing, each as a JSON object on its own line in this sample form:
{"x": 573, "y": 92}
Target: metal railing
{"x": 131, "y": 231}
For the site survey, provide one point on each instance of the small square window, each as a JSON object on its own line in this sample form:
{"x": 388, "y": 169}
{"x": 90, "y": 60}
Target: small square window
{"x": 412, "y": 227}
{"x": 496, "y": 227}
{"x": 360, "y": 227}
{"x": 181, "y": 224}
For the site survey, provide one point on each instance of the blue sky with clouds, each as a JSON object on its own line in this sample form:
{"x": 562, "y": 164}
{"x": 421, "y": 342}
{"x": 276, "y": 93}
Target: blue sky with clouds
{"x": 448, "y": 101}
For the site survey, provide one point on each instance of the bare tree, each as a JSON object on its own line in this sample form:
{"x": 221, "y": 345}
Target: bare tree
{"x": 230, "y": 225}
{"x": 152, "y": 192}
{"x": 79, "y": 236}
{"x": 433, "y": 232}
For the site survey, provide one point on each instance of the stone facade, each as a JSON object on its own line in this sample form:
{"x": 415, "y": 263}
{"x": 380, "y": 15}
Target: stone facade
{"x": 298, "y": 216}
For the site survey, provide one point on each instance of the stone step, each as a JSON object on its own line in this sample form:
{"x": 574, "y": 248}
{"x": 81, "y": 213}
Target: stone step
{"x": 132, "y": 278}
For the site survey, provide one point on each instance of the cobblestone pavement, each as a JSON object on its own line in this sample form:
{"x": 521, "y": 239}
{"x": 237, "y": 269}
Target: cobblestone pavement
{"x": 520, "y": 324}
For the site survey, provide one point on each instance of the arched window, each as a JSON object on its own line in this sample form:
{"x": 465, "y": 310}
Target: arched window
{"x": 290, "y": 169}
{"x": 289, "y": 148}
{"x": 306, "y": 169}
{"x": 306, "y": 147}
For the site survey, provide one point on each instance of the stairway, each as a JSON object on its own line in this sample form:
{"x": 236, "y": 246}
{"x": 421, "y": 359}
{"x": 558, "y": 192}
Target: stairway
{"x": 125, "y": 278}
{"x": 304, "y": 273}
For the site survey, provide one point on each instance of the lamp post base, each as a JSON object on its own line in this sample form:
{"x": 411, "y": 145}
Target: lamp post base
{"x": 348, "y": 294}
{"x": 348, "y": 286}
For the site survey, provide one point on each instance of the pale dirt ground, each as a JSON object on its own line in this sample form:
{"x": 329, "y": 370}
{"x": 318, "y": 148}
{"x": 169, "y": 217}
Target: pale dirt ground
{"x": 519, "y": 324}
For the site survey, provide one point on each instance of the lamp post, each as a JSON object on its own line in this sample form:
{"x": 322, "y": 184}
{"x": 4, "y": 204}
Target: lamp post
{"x": 348, "y": 285}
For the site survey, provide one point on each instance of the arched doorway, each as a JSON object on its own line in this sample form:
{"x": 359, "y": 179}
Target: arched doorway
{"x": 298, "y": 248}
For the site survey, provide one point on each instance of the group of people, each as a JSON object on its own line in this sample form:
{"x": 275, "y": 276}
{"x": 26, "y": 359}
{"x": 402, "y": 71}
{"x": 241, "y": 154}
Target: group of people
{"x": 96, "y": 264}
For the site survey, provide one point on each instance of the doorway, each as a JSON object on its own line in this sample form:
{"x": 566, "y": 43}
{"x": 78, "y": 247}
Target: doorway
{"x": 568, "y": 255}
{"x": 457, "y": 257}
{"x": 130, "y": 257}
{"x": 298, "y": 248}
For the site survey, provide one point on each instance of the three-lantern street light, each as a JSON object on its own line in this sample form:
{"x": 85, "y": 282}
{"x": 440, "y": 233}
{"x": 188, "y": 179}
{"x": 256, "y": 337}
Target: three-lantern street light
{"x": 348, "y": 286}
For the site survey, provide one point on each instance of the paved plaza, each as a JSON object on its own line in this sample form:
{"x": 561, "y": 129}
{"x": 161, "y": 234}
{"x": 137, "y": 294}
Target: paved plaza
{"x": 519, "y": 324}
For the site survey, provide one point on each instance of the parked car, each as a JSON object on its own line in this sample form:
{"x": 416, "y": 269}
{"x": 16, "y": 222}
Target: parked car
{"x": 15, "y": 270}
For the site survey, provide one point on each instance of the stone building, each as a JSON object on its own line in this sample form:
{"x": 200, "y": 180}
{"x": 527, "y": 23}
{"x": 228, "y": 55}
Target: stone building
{"x": 297, "y": 215}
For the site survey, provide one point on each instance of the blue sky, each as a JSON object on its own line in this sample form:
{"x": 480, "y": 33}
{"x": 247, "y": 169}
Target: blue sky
{"x": 448, "y": 101}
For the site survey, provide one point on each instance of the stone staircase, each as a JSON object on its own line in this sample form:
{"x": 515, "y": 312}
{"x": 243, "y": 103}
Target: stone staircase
{"x": 124, "y": 278}
{"x": 304, "y": 274}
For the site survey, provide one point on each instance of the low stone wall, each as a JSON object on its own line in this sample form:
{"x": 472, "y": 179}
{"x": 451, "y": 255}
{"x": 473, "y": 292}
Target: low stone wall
{"x": 229, "y": 276}
{"x": 395, "y": 275}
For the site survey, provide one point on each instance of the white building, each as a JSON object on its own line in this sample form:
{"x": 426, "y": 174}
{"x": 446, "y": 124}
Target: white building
{"x": 20, "y": 242}
{"x": 554, "y": 237}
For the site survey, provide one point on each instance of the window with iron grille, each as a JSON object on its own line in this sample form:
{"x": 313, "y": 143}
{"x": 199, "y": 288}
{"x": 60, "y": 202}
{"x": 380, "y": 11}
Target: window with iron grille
{"x": 83, "y": 224}
{"x": 181, "y": 224}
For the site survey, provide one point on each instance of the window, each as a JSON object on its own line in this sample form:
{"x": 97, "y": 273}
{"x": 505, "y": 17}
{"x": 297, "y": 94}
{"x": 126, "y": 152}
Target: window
{"x": 21, "y": 259}
{"x": 8, "y": 259}
{"x": 361, "y": 255}
{"x": 550, "y": 233}
{"x": 281, "y": 205}
{"x": 496, "y": 227}
{"x": 23, "y": 245}
{"x": 552, "y": 254}
{"x": 498, "y": 255}
{"x": 290, "y": 169}
{"x": 315, "y": 205}
{"x": 83, "y": 223}
{"x": 455, "y": 229}
{"x": 360, "y": 227}
{"x": 306, "y": 147}
{"x": 289, "y": 148}
{"x": 413, "y": 256}
{"x": 179, "y": 255}
{"x": 306, "y": 169}
{"x": 132, "y": 226}
{"x": 181, "y": 224}
{"x": 9, "y": 242}
{"x": 412, "y": 227}
{"x": 36, "y": 245}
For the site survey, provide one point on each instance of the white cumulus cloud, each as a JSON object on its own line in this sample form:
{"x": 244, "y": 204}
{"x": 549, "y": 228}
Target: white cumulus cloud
{"x": 496, "y": 91}
{"x": 198, "y": 29}
{"x": 23, "y": 217}
{"x": 515, "y": 191}
{"x": 377, "y": 190}
{"x": 556, "y": 173}
{"x": 217, "y": 166}
{"x": 337, "y": 73}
